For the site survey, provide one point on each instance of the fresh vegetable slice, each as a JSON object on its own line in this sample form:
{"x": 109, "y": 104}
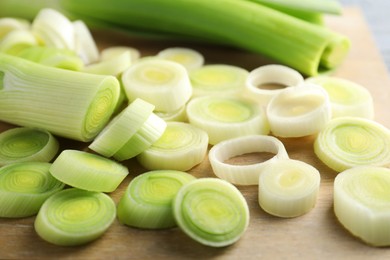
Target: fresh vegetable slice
{"x": 181, "y": 147}
{"x": 191, "y": 59}
{"x": 178, "y": 115}
{"x": 211, "y": 211}
{"x": 74, "y": 217}
{"x": 88, "y": 171}
{"x": 114, "y": 66}
{"x": 21, "y": 144}
{"x": 24, "y": 186}
{"x": 147, "y": 201}
{"x": 288, "y": 188}
{"x": 85, "y": 45}
{"x": 224, "y": 117}
{"x": 16, "y": 41}
{"x": 247, "y": 174}
{"x": 347, "y": 142}
{"x": 362, "y": 202}
{"x": 9, "y": 24}
{"x": 113, "y": 51}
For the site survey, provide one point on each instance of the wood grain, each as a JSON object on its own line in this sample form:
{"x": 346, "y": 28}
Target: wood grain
{"x": 316, "y": 235}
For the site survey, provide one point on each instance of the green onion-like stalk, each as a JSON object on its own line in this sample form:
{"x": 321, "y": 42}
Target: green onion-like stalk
{"x": 66, "y": 103}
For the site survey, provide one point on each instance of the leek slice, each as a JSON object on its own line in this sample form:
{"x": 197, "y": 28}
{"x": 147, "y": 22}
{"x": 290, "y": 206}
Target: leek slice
{"x": 75, "y": 217}
{"x": 122, "y": 127}
{"x": 347, "y": 142}
{"x": 265, "y": 82}
{"x": 299, "y": 111}
{"x": 191, "y": 59}
{"x": 113, "y": 51}
{"x": 16, "y": 41}
{"x": 114, "y": 66}
{"x": 85, "y": 45}
{"x": 54, "y": 29}
{"x": 24, "y": 187}
{"x": 163, "y": 83}
{"x": 23, "y": 144}
{"x": 181, "y": 147}
{"x": 362, "y": 202}
{"x": 211, "y": 211}
{"x": 9, "y": 24}
{"x": 226, "y": 117}
{"x": 288, "y": 188}
{"x": 347, "y": 98}
{"x": 148, "y": 134}
{"x": 244, "y": 174}
{"x": 66, "y": 103}
{"x": 178, "y": 115}
{"x": 218, "y": 78}
{"x": 147, "y": 201}
{"x": 88, "y": 171}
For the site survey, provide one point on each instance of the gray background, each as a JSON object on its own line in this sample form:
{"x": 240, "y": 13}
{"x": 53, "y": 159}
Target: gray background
{"x": 377, "y": 15}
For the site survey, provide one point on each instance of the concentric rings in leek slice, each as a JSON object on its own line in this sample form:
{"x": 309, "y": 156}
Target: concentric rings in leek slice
{"x": 75, "y": 217}
{"x": 24, "y": 187}
{"x": 147, "y": 201}
{"x": 211, "y": 211}
{"x": 347, "y": 142}
{"x": 22, "y": 144}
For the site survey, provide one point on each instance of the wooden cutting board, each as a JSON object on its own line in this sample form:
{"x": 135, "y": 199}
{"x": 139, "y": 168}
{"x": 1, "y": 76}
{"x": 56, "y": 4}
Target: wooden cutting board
{"x": 316, "y": 235}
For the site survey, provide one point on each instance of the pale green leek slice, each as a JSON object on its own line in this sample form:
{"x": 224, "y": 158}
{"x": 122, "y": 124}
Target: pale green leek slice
{"x": 211, "y": 211}
{"x": 347, "y": 97}
{"x": 191, "y": 59}
{"x": 9, "y": 24}
{"x": 227, "y": 117}
{"x": 114, "y": 66}
{"x": 88, "y": 171}
{"x": 178, "y": 115}
{"x": 24, "y": 187}
{"x": 54, "y": 29}
{"x": 113, "y": 51}
{"x": 85, "y": 45}
{"x": 74, "y": 217}
{"x": 245, "y": 174}
{"x": 163, "y": 83}
{"x": 23, "y": 144}
{"x": 122, "y": 127}
{"x": 181, "y": 147}
{"x": 299, "y": 111}
{"x": 147, "y": 201}
{"x": 265, "y": 82}
{"x": 217, "y": 79}
{"x": 347, "y": 142}
{"x": 147, "y": 134}
{"x": 66, "y": 103}
{"x": 16, "y": 41}
{"x": 362, "y": 202}
{"x": 288, "y": 188}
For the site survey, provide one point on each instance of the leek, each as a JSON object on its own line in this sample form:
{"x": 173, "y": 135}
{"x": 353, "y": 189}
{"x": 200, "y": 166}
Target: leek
{"x": 85, "y": 45}
{"x": 16, "y": 41}
{"x": 88, "y": 171}
{"x": 75, "y": 217}
{"x": 247, "y": 174}
{"x": 10, "y": 24}
{"x": 347, "y": 142}
{"x": 23, "y": 144}
{"x": 189, "y": 58}
{"x": 147, "y": 201}
{"x": 181, "y": 147}
{"x": 288, "y": 188}
{"x": 24, "y": 187}
{"x": 113, "y": 51}
{"x": 66, "y": 103}
{"x": 211, "y": 211}
{"x": 114, "y": 66}
{"x": 362, "y": 202}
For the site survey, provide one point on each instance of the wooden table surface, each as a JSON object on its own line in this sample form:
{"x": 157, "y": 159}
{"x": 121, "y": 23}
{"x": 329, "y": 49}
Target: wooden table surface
{"x": 316, "y": 235}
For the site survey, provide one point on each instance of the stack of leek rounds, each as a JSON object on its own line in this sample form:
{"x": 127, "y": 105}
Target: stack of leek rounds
{"x": 165, "y": 111}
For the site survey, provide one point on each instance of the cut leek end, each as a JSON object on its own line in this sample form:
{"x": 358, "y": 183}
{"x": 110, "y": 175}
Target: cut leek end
{"x": 335, "y": 52}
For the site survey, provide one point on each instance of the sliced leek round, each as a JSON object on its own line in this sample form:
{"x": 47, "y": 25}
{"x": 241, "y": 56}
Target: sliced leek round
{"x": 189, "y": 58}
{"x": 9, "y": 24}
{"x": 362, "y": 203}
{"x": 211, "y": 211}
{"x": 114, "y": 51}
{"x": 147, "y": 135}
{"x": 88, "y": 171}
{"x": 85, "y": 45}
{"x": 114, "y": 66}
{"x": 247, "y": 174}
{"x": 24, "y": 187}
{"x": 181, "y": 147}
{"x": 347, "y": 98}
{"x": 16, "y": 41}
{"x": 74, "y": 217}
{"x": 23, "y": 144}
{"x": 347, "y": 142}
{"x": 299, "y": 111}
{"x": 121, "y": 128}
{"x": 226, "y": 117}
{"x": 163, "y": 83}
{"x": 178, "y": 115}
{"x": 217, "y": 79}
{"x": 264, "y": 82}
{"x": 288, "y": 188}
{"x": 147, "y": 201}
